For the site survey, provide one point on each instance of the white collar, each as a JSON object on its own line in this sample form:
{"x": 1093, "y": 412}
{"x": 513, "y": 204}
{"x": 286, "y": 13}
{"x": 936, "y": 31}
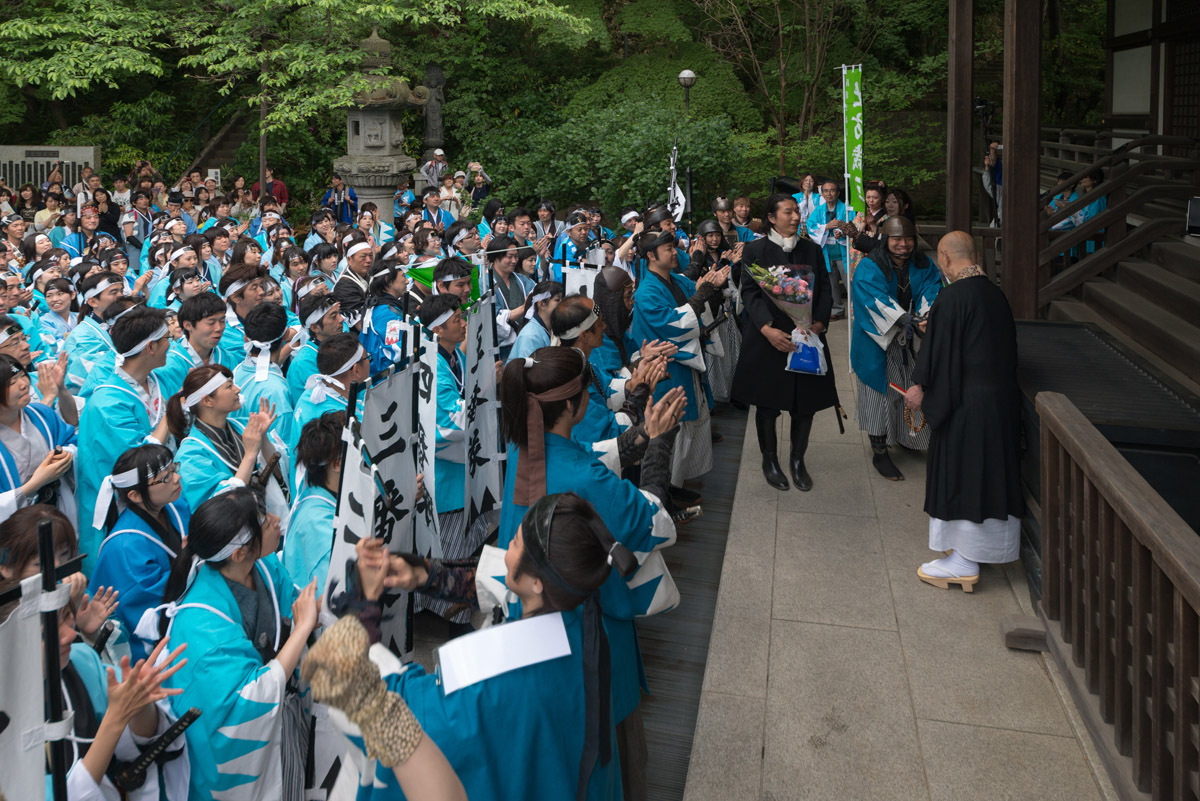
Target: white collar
{"x": 787, "y": 244}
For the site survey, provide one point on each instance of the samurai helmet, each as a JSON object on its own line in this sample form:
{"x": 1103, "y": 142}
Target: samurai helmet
{"x": 708, "y": 227}
{"x": 898, "y": 226}
{"x": 722, "y": 204}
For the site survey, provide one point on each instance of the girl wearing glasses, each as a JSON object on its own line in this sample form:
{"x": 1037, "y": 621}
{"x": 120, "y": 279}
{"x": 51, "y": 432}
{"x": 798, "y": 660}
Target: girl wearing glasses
{"x": 148, "y": 521}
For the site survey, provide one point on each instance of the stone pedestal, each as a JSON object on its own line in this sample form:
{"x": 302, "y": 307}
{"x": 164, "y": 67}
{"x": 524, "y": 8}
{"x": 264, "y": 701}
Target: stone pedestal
{"x": 375, "y": 159}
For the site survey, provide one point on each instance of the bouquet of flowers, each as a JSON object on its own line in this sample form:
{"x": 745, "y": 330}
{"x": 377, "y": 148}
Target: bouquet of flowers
{"x": 789, "y": 288}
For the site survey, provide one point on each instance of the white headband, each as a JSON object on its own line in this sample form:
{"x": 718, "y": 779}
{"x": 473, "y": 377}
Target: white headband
{"x": 100, "y": 287}
{"x": 533, "y": 302}
{"x": 441, "y": 319}
{"x": 588, "y": 322}
{"x": 461, "y": 235}
{"x": 235, "y": 287}
{"x": 179, "y": 252}
{"x": 629, "y": 215}
{"x": 240, "y": 539}
{"x": 161, "y": 332}
{"x": 361, "y": 246}
{"x": 4, "y": 336}
{"x": 105, "y": 495}
{"x": 346, "y": 239}
{"x": 318, "y": 315}
{"x": 310, "y": 286}
{"x": 262, "y": 361}
{"x": 210, "y": 386}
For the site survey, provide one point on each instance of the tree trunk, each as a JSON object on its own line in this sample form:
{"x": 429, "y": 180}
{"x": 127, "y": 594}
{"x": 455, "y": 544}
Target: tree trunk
{"x": 262, "y": 147}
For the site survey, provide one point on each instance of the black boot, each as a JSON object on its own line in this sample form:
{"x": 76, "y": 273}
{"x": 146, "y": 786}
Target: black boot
{"x": 882, "y": 462}
{"x": 801, "y": 428}
{"x": 769, "y": 445}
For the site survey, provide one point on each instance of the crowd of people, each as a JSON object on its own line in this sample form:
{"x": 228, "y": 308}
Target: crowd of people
{"x": 176, "y": 368}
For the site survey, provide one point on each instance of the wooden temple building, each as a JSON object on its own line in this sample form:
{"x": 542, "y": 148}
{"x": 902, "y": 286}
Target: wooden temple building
{"x": 1110, "y": 369}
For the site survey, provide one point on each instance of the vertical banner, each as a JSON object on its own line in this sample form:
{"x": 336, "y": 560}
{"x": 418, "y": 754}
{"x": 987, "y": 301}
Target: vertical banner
{"x": 852, "y": 143}
{"x": 427, "y": 538}
{"x": 484, "y": 485}
{"x": 22, "y": 758}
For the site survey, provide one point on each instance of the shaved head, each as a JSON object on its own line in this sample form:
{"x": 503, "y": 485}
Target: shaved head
{"x": 955, "y": 251}
{"x": 960, "y": 246}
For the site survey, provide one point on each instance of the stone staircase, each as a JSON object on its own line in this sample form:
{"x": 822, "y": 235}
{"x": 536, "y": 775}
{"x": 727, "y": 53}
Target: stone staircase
{"x": 1151, "y": 304}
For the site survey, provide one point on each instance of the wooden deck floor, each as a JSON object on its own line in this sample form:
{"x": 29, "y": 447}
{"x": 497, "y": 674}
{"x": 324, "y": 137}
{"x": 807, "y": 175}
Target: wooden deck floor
{"x": 675, "y": 645}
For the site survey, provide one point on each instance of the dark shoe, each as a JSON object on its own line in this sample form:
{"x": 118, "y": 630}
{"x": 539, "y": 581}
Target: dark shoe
{"x": 800, "y": 429}
{"x": 837, "y": 316}
{"x": 716, "y": 436}
{"x": 772, "y": 473}
{"x": 882, "y": 461}
{"x": 683, "y": 515}
{"x": 800, "y": 476}
{"x": 741, "y": 407}
{"x": 685, "y": 497}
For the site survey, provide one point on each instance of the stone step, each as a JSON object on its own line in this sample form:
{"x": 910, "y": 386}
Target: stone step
{"x": 1175, "y": 340}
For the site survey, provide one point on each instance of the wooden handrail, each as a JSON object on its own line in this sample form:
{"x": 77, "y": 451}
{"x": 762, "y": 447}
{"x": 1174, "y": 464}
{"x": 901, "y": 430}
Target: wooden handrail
{"x": 1172, "y": 542}
{"x": 1096, "y": 263}
{"x": 1120, "y": 595}
{"x": 1121, "y": 153}
{"x": 1111, "y": 216}
{"x": 1106, "y": 188}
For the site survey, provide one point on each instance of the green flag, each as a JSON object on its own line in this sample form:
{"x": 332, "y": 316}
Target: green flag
{"x": 853, "y": 120}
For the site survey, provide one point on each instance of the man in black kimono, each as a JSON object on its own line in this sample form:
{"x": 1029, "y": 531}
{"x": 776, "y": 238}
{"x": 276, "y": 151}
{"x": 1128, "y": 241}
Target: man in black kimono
{"x": 966, "y": 385}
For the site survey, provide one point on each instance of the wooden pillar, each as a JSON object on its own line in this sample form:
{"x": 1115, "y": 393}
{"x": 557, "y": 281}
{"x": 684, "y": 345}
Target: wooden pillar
{"x": 960, "y": 133}
{"x": 1022, "y": 135}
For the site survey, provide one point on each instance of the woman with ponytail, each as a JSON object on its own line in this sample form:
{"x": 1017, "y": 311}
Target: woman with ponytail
{"x": 140, "y": 505}
{"x": 541, "y": 725}
{"x": 221, "y": 453}
{"x": 228, "y": 598}
{"x": 542, "y": 398}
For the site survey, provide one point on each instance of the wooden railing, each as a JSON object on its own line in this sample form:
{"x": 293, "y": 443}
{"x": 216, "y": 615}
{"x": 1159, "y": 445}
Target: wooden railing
{"x": 1120, "y": 598}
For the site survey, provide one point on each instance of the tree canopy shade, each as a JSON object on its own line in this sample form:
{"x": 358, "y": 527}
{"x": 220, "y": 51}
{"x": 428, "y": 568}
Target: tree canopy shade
{"x": 570, "y": 99}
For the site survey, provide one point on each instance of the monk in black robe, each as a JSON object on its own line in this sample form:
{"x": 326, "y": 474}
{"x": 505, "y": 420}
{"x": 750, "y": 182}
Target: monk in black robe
{"x": 966, "y": 386}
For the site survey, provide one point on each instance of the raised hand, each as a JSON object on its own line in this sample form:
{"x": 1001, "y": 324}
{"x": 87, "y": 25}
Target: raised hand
{"x": 142, "y": 684}
{"x": 663, "y": 414}
{"x": 372, "y": 565}
{"x": 402, "y": 575}
{"x": 93, "y": 611}
{"x": 304, "y": 610}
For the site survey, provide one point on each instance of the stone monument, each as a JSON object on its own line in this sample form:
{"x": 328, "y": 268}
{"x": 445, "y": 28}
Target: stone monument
{"x": 375, "y": 159}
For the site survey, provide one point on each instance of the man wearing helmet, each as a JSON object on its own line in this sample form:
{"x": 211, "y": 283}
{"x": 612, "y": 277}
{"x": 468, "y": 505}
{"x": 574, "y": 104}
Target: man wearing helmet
{"x": 892, "y": 291}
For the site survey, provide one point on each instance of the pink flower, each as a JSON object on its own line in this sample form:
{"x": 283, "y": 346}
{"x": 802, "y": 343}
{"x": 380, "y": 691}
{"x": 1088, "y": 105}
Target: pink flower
{"x": 778, "y": 290}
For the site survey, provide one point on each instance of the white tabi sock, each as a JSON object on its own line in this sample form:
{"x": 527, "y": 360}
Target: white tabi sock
{"x": 952, "y": 566}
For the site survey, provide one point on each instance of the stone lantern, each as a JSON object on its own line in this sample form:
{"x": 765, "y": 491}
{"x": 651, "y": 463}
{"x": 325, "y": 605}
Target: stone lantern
{"x": 375, "y": 159}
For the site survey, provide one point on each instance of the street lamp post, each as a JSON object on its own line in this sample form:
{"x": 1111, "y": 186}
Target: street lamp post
{"x": 687, "y": 79}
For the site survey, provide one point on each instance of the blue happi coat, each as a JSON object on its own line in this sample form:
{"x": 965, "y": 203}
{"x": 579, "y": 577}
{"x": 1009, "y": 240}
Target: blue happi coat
{"x": 41, "y": 421}
{"x": 181, "y": 358}
{"x": 135, "y": 561}
{"x": 637, "y": 520}
{"x": 876, "y": 312}
{"x": 536, "y": 711}
{"x": 235, "y": 746}
{"x": 834, "y": 247}
{"x": 450, "y": 462}
{"x": 660, "y": 316}
{"x": 88, "y": 343}
{"x": 113, "y": 421}
{"x": 309, "y": 541}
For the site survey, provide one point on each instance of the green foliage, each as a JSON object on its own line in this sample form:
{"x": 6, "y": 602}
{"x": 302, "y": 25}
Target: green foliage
{"x": 613, "y": 155}
{"x": 302, "y": 156}
{"x": 654, "y": 20}
{"x": 12, "y": 105}
{"x": 651, "y": 78}
{"x": 68, "y": 48}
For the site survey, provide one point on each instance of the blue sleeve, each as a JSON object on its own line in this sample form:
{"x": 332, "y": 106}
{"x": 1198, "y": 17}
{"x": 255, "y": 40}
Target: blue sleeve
{"x": 203, "y": 475}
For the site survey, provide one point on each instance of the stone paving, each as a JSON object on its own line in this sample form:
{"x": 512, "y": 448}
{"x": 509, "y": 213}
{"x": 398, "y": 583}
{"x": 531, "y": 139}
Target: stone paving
{"x": 834, "y": 673}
